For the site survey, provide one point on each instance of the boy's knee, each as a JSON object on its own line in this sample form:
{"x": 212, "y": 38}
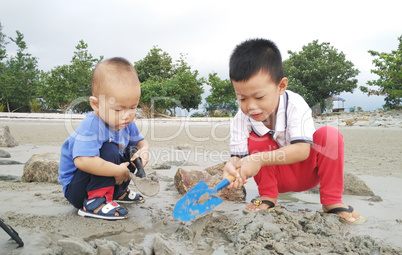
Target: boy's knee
{"x": 110, "y": 152}
{"x": 327, "y": 135}
{"x": 328, "y": 141}
{"x": 327, "y": 131}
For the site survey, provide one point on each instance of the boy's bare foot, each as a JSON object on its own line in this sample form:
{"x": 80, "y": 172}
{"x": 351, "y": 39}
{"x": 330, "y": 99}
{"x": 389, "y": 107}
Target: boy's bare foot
{"x": 355, "y": 215}
{"x": 252, "y": 207}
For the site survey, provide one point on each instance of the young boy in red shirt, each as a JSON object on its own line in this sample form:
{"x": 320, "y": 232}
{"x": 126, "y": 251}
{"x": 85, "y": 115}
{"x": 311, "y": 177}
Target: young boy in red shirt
{"x": 273, "y": 136}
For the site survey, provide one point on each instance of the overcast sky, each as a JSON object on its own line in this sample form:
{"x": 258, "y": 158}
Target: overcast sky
{"x": 205, "y": 30}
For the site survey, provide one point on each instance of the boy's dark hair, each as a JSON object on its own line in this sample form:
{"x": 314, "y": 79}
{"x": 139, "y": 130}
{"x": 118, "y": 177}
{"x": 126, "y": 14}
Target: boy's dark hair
{"x": 253, "y": 56}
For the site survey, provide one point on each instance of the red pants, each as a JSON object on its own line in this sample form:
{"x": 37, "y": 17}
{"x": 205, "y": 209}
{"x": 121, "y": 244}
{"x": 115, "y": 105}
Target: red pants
{"x": 324, "y": 166}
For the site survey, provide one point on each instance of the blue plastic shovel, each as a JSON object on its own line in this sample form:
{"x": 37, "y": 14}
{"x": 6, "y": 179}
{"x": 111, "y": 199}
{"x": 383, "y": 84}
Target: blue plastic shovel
{"x": 199, "y": 200}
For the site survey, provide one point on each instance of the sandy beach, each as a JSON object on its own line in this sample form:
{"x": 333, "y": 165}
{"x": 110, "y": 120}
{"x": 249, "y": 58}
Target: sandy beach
{"x": 48, "y": 224}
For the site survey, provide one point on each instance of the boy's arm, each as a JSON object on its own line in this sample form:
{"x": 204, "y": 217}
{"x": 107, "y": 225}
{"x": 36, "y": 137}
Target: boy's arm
{"x": 143, "y": 152}
{"x": 100, "y": 167}
{"x": 286, "y": 155}
{"x": 251, "y": 164}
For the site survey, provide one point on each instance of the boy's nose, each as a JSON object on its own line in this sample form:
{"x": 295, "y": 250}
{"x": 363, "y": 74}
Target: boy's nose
{"x": 251, "y": 106}
{"x": 127, "y": 114}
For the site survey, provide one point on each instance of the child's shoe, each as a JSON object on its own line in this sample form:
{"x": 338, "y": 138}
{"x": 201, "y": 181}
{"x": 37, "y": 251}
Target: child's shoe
{"x": 130, "y": 197}
{"x": 107, "y": 212}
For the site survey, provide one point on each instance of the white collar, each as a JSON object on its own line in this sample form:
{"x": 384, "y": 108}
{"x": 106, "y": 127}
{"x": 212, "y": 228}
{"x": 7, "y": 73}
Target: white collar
{"x": 260, "y": 129}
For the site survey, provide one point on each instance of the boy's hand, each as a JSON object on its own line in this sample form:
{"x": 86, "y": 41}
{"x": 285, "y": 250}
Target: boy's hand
{"x": 143, "y": 154}
{"x": 231, "y": 169}
{"x": 248, "y": 167}
{"x": 123, "y": 173}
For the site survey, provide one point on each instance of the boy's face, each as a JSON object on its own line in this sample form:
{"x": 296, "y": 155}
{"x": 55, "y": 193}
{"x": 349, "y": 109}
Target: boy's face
{"x": 117, "y": 104}
{"x": 258, "y": 97}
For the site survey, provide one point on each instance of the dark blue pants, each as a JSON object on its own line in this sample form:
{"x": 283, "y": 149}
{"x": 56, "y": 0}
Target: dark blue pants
{"x": 83, "y": 182}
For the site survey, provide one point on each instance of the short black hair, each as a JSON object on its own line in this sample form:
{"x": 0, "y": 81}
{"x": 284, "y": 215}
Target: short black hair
{"x": 253, "y": 56}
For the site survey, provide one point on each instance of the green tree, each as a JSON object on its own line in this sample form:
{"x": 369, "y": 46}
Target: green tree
{"x": 389, "y": 69}
{"x": 153, "y": 98}
{"x": 19, "y": 78}
{"x": 222, "y": 98}
{"x": 3, "y": 55}
{"x": 157, "y": 65}
{"x": 184, "y": 90}
{"x": 57, "y": 90}
{"x": 188, "y": 87}
{"x": 319, "y": 72}
{"x": 2, "y": 44}
{"x": 176, "y": 85}
{"x": 68, "y": 87}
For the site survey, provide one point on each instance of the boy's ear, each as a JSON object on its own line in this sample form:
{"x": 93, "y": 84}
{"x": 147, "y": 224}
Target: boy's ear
{"x": 283, "y": 85}
{"x": 94, "y": 102}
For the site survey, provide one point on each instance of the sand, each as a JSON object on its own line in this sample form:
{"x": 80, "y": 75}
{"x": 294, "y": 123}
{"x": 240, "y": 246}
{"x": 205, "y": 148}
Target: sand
{"x": 48, "y": 224}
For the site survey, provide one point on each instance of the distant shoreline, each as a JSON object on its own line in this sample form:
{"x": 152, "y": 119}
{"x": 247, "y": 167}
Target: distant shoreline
{"x": 370, "y": 119}
{"x": 67, "y": 116}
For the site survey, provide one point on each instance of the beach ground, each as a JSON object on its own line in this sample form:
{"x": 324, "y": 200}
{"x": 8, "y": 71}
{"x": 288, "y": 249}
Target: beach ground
{"x": 48, "y": 224}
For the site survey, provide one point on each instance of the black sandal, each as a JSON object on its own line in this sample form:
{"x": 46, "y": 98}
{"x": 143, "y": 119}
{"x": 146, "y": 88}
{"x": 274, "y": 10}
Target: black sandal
{"x": 350, "y": 209}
